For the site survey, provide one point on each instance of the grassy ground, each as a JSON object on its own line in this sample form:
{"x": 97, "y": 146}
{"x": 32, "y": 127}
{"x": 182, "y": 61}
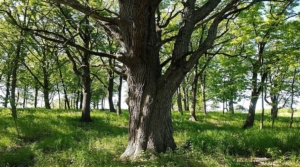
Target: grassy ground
{"x": 56, "y": 138}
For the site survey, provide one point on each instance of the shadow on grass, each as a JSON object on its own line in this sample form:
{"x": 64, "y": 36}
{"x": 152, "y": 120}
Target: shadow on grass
{"x": 63, "y": 132}
{"x": 51, "y": 132}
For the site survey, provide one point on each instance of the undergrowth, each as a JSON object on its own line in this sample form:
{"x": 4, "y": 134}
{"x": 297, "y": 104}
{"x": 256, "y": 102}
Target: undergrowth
{"x": 57, "y": 138}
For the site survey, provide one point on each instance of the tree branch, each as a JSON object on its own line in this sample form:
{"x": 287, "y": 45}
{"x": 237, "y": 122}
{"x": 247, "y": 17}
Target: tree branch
{"x": 87, "y": 10}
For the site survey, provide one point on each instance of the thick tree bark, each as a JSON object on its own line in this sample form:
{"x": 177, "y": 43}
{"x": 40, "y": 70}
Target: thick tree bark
{"x": 150, "y": 124}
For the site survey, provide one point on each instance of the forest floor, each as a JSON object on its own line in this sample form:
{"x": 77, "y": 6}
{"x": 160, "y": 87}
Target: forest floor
{"x": 56, "y": 138}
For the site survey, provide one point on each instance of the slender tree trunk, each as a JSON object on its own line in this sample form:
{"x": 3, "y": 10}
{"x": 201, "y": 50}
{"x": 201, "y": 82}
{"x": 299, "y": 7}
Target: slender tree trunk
{"x": 263, "y": 110}
{"x": 110, "y": 94}
{"x": 24, "y": 96}
{"x": 256, "y": 90}
{"x": 13, "y": 87}
{"x": 186, "y": 99}
{"x": 224, "y": 101}
{"x": 77, "y": 99}
{"x": 274, "y": 112}
{"x": 87, "y": 94}
{"x": 18, "y": 98}
{"x": 63, "y": 85}
{"x": 231, "y": 102}
{"x": 110, "y": 89}
{"x": 273, "y": 103}
{"x": 251, "y": 113}
{"x": 179, "y": 101}
{"x": 6, "y": 99}
{"x": 292, "y": 99}
{"x": 58, "y": 93}
{"x": 102, "y": 104}
{"x": 194, "y": 94}
{"x": 36, "y": 88}
{"x": 81, "y": 99}
{"x": 203, "y": 90}
{"x": 274, "y": 109}
{"x": 46, "y": 89}
{"x": 46, "y": 83}
{"x": 223, "y": 105}
{"x": 15, "y": 68}
{"x": 46, "y": 97}
{"x": 119, "y": 110}
{"x": 86, "y": 83}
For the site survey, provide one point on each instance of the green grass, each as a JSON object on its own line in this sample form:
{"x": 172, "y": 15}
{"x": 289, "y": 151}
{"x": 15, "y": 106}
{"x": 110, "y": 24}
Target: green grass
{"x": 57, "y": 138}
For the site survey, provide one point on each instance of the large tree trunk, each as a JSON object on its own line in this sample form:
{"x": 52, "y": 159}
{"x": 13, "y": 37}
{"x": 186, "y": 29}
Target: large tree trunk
{"x": 150, "y": 125}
